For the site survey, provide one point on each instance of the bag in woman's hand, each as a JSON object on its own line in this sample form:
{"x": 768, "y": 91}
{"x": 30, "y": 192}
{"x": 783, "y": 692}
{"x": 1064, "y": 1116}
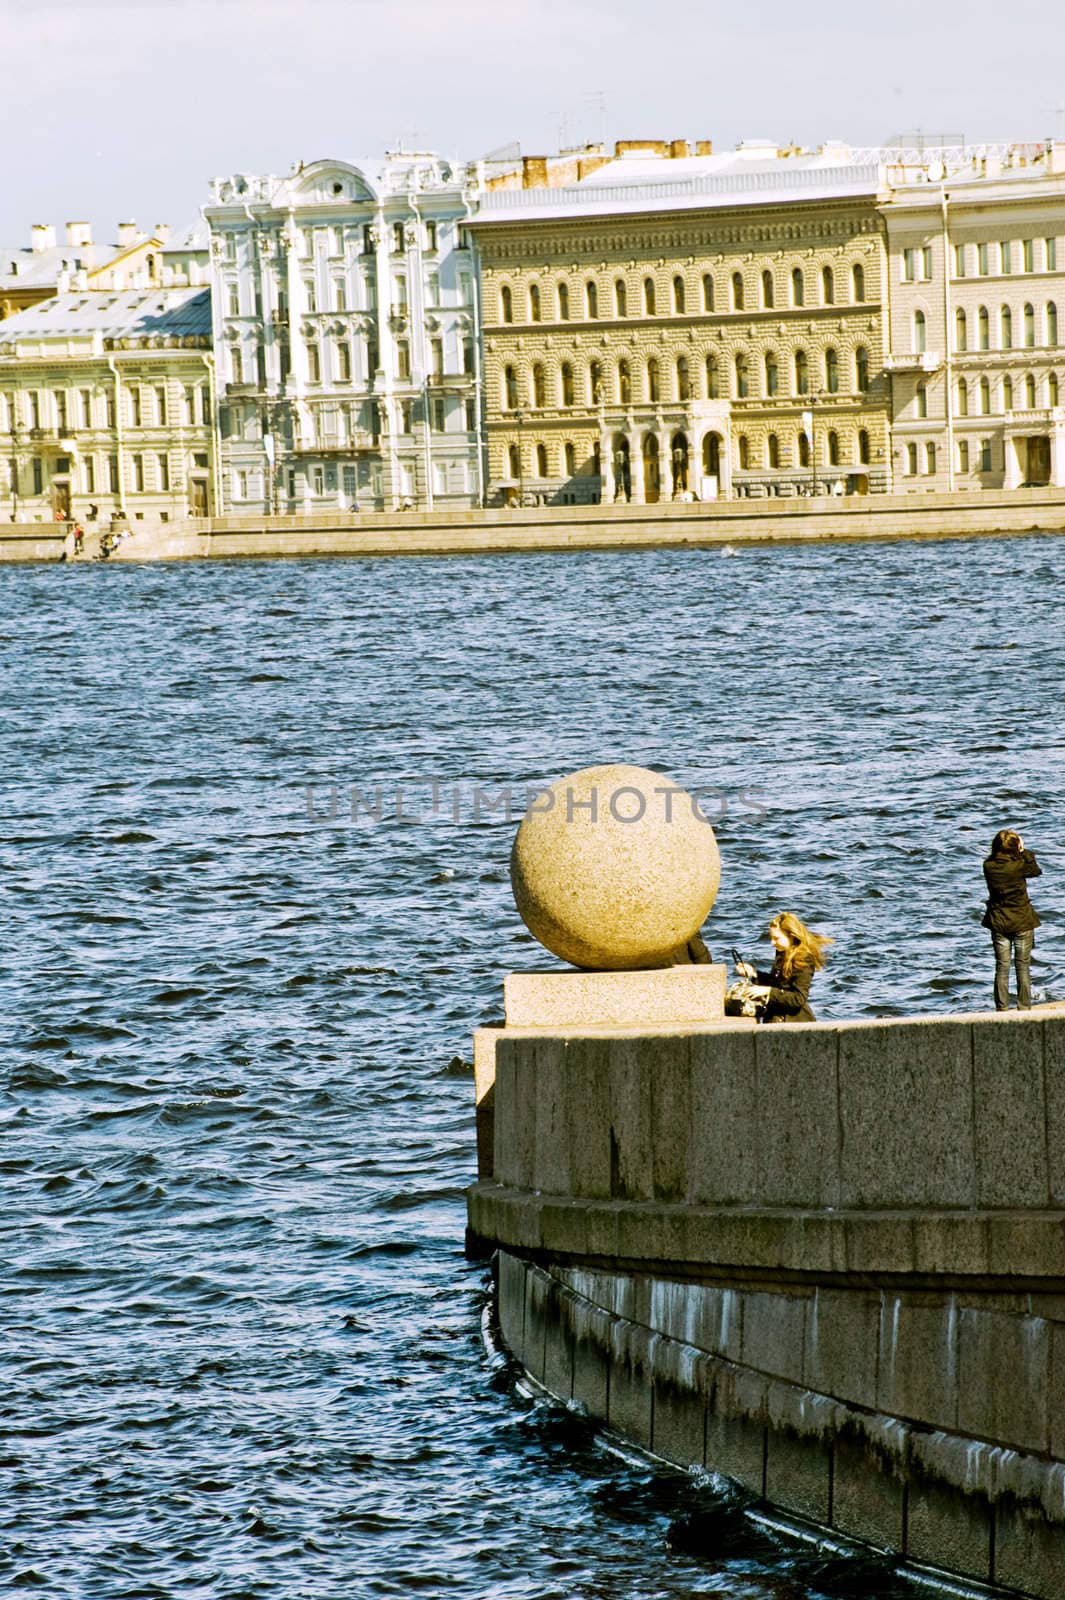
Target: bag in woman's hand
{"x": 740, "y": 1002}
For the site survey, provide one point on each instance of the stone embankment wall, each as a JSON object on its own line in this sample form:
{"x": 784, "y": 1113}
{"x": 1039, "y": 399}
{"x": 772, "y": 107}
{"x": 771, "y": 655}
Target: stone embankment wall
{"x": 467, "y": 532}
{"x": 827, "y": 1262}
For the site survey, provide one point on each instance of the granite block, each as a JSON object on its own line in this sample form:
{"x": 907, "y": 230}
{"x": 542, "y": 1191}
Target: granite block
{"x": 797, "y": 1116}
{"x": 1010, "y": 1115}
{"x": 723, "y": 1160}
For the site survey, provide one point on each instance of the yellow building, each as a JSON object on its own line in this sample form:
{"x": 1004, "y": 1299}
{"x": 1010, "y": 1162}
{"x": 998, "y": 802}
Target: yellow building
{"x": 678, "y": 326}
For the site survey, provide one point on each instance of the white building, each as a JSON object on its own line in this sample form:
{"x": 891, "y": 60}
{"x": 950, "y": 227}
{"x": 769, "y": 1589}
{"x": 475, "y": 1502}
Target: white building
{"x": 346, "y": 337}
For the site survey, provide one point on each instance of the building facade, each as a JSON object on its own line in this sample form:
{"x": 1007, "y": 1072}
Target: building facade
{"x": 976, "y": 244}
{"x": 346, "y": 337}
{"x": 680, "y": 326}
{"x": 106, "y": 408}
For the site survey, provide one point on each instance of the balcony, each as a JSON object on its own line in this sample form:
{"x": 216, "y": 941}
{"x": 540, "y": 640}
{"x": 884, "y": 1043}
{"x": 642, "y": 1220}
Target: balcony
{"x": 242, "y": 390}
{"x": 926, "y": 361}
{"x": 450, "y": 380}
{"x": 1042, "y": 417}
{"x": 335, "y": 444}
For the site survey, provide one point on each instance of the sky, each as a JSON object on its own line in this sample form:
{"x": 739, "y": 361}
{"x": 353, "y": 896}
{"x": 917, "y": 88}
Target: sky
{"x": 115, "y": 110}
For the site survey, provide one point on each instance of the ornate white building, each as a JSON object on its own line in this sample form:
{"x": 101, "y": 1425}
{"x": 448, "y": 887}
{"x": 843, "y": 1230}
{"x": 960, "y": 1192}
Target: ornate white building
{"x": 346, "y": 337}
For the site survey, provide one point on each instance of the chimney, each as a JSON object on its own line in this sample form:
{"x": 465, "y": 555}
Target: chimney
{"x": 127, "y": 235}
{"x": 79, "y": 234}
{"x": 678, "y": 149}
{"x": 534, "y": 172}
{"x": 42, "y": 237}
{"x": 162, "y": 232}
{"x": 704, "y": 147}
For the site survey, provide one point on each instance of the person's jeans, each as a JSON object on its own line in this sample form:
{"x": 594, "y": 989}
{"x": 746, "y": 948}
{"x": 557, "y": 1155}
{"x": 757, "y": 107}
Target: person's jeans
{"x": 1022, "y": 955}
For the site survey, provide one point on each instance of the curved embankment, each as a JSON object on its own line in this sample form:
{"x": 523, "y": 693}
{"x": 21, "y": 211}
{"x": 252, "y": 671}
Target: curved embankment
{"x": 486, "y": 532}
{"x": 827, "y": 1262}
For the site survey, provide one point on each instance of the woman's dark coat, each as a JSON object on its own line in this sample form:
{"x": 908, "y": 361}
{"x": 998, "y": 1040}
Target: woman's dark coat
{"x": 788, "y": 997}
{"x": 1009, "y": 910}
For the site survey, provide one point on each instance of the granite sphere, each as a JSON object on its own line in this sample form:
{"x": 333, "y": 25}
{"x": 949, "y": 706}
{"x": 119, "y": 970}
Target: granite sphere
{"x": 614, "y": 868}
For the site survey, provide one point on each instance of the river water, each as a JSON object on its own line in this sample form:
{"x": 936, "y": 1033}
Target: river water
{"x": 240, "y": 1347}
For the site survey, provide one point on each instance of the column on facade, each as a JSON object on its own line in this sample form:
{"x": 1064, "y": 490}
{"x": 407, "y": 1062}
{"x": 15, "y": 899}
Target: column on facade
{"x": 384, "y": 378}
{"x": 1057, "y": 455}
{"x": 636, "y": 478}
{"x": 665, "y": 465}
{"x": 608, "y": 482}
{"x": 1011, "y": 452}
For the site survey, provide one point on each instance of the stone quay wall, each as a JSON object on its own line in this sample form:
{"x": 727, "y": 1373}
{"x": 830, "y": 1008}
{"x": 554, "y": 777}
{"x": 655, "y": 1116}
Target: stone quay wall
{"x": 476, "y": 532}
{"x": 827, "y": 1262}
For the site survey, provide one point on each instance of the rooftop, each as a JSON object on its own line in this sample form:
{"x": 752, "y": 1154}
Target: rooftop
{"x": 130, "y": 316}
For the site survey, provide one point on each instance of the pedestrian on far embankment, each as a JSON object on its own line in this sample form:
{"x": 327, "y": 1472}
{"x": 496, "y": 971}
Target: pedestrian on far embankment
{"x": 783, "y": 993}
{"x": 1010, "y": 915}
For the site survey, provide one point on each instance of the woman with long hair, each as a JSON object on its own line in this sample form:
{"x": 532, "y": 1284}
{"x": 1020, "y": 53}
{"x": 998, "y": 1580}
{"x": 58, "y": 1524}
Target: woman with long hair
{"x": 1010, "y": 915}
{"x": 785, "y": 989}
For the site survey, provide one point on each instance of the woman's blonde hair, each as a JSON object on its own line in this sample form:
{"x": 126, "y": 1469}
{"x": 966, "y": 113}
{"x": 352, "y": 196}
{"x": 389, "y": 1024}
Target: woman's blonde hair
{"x": 806, "y": 948}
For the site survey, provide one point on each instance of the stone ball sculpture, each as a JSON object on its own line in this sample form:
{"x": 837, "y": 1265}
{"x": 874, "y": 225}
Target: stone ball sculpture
{"x": 614, "y": 869}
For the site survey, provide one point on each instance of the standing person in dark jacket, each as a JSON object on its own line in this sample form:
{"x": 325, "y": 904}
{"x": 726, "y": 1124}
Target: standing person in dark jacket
{"x": 785, "y": 988}
{"x": 1010, "y": 915}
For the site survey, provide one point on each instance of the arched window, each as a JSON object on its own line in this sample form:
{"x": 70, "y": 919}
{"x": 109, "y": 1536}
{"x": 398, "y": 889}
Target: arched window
{"x": 802, "y": 372}
{"x": 911, "y": 459}
{"x": 861, "y": 369}
{"x": 798, "y": 287}
{"x": 737, "y": 291}
{"x": 963, "y": 398}
{"x": 506, "y": 303}
{"x": 772, "y": 373}
{"x": 832, "y": 371}
{"x": 863, "y": 446}
{"x": 963, "y": 455}
{"x": 1052, "y": 324}
{"x": 624, "y": 383}
{"x": 983, "y": 321}
{"x": 1006, "y": 321}
{"x": 802, "y": 450}
{"x": 1029, "y": 391}
{"x": 534, "y": 303}
{"x": 678, "y": 295}
{"x": 743, "y": 448}
{"x": 768, "y": 295}
{"x": 563, "y": 302}
{"x": 713, "y": 386}
{"x": 1029, "y": 326}
{"x": 568, "y": 389}
{"x": 510, "y": 389}
{"x": 708, "y": 292}
{"x": 773, "y": 450}
{"x": 985, "y": 397}
{"x": 539, "y": 387}
{"x": 1007, "y": 393}
{"x": 741, "y": 377}
{"x": 961, "y": 330}
{"x": 569, "y": 456}
{"x": 858, "y": 282}
{"x": 684, "y": 387}
{"x": 930, "y": 457}
{"x": 621, "y": 298}
{"x": 649, "y": 296}
{"x": 833, "y": 448}
{"x": 920, "y": 332}
{"x": 591, "y": 300}
{"x": 920, "y": 400}
{"x": 514, "y": 458}
{"x": 1052, "y": 389}
{"x": 541, "y": 461}
{"x": 653, "y": 386}
{"x": 595, "y": 382}
{"x": 828, "y": 287}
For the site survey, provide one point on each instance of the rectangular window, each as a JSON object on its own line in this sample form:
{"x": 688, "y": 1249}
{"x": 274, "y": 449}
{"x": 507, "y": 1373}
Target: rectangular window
{"x": 403, "y": 360}
{"x": 983, "y": 260}
{"x": 86, "y": 408}
{"x": 471, "y": 414}
{"x": 367, "y": 237}
{"x": 88, "y": 474}
{"x": 338, "y": 241}
{"x": 436, "y": 355}
{"x": 963, "y": 455}
{"x": 231, "y": 247}
{"x": 985, "y": 456}
{"x": 959, "y": 261}
{"x": 61, "y": 410}
{"x": 343, "y": 362}
{"x": 436, "y": 413}
{"x": 112, "y": 474}
{"x": 190, "y": 404}
{"x": 1006, "y": 254}
{"x": 317, "y": 480}
{"x": 1050, "y": 248}
{"x": 314, "y": 364}
{"x": 399, "y": 238}
{"x": 138, "y": 473}
{"x": 233, "y": 299}
{"x": 1029, "y": 255}
{"x": 930, "y": 458}
{"x": 911, "y": 459}
{"x": 430, "y": 236}
{"x": 35, "y": 409}
{"x": 310, "y": 294}
{"x": 464, "y": 239}
{"x": 340, "y": 294}
{"x": 205, "y": 404}
{"x": 38, "y": 475}
{"x": 110, "y": 408}
{"x": 160, "y": 406}
{"x": 406, "y": 416}
{"x": 163, "y": 464}
{"x": 136, "y": 406}
{"x": 926, "y": 261}
{"x": 909, "y": 265}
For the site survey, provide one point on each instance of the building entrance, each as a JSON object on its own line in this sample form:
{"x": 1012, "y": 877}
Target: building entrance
{"x": 61, "y": 498}
{"x": 197, "y": 497}
{"x": 1038, "y": 460}
{"x": 652, "y": 481}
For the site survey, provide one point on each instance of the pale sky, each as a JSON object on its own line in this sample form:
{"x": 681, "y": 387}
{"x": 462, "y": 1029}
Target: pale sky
{"x": 122, "y": 109}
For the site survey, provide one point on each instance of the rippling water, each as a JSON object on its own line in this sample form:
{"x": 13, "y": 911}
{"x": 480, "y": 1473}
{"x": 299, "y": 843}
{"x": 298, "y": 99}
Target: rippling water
{"x": 239, "y": 1343}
